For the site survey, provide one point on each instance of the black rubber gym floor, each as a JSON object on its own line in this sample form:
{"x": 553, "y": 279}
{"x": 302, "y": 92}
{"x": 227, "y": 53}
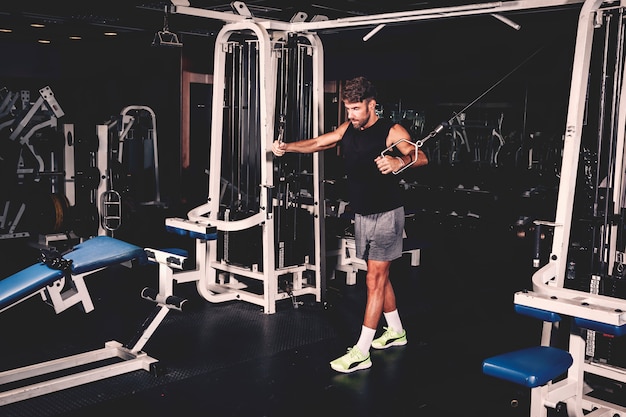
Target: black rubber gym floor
{"x": 230, "y": 359}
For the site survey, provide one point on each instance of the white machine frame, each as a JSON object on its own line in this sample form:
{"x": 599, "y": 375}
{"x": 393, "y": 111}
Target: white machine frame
{"x": 217, "y": 280}
{"x": 548, "y": 292}
{"x": 210, "y": 271}
{"x": 109, "y": 200}
{"x": 29, "y": 124}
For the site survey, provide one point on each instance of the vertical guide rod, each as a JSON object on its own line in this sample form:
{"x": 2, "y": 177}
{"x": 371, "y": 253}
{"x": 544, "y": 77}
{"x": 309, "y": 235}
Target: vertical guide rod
{"x": 610, "y": 199}
{"x": 246, "y": 138}
{"x": 599, "y": 148}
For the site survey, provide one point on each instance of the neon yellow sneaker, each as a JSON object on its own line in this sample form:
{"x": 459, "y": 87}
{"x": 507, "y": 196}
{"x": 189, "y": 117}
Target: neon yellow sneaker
{"x": 351, "y": 361}
{"x": 390, "y": 338}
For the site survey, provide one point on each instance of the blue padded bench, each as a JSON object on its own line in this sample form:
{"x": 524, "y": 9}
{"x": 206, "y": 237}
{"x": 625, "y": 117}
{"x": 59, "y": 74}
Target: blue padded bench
{"x": 95, "y": 253}
{"x": 553, "y": 317}
{"x": 534, "y": 366}
{"x": 538, "y": 313}
{"x": 530, "y": 367}
{"x": 613, "y": 330}
{"x": 46, "y": 278}
{"x": 209, "y": 233}
{"x": 538, "y": 365}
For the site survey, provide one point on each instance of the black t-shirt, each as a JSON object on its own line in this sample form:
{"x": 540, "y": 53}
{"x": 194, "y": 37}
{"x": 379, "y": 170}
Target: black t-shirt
{"x": 369, "y": 190}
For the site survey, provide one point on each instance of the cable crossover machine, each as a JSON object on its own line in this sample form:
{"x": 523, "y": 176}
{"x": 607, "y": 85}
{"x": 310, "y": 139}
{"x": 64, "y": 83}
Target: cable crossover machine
{"x": 268, "y": 213}
{"x": 579, "y": 293}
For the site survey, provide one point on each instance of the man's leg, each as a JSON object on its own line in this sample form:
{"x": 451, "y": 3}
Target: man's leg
{"x": 394, "y": 334}
{"x": 379, "y": 294}
{"x": 390, "y": 311}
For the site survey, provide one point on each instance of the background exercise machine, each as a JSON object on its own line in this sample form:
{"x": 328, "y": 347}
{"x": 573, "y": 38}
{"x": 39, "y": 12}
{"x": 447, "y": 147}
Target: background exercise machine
{"x": 578, "y": 293}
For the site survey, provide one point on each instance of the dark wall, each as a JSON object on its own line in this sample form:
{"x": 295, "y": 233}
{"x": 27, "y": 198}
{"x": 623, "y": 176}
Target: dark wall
{"x": 94, "y": 81}
{"x": 440, "y": 66}
{"x": 436, "y": 67}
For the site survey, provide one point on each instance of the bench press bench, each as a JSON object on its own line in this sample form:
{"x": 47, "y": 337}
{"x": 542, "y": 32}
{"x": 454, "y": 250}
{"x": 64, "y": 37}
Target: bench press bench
{"x": 60, "y": 281}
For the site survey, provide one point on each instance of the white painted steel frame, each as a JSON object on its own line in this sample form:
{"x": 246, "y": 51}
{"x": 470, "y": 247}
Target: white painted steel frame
{"x": 475, "y": 9}
{"x": 209, "y": 268}
{"x": 548, "y": 282}
{"x": 319, "y": 207}
{"x": 267, "y": 92}
{"x": 127, "y": 122}
{"x": 130, "y": 361}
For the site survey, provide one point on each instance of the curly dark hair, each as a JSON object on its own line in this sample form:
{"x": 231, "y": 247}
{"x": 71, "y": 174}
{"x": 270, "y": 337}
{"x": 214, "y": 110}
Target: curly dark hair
{"x": 358, "y": 89}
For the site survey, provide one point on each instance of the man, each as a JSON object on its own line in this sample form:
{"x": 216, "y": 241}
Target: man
{"x": 374, "y": 195}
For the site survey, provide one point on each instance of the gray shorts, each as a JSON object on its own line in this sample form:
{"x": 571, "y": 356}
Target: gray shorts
{"x": 379, "y": 236}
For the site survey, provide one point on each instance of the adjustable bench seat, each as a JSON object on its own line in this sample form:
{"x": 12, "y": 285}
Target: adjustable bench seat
{"x": 534, "y": 366}
{"x": 26, "y": 282}
{"x": 86, "y": 257}
{"x": 530, "y": 367}
{"x": 558, "y": 376}
{"x": 49, "y": 278}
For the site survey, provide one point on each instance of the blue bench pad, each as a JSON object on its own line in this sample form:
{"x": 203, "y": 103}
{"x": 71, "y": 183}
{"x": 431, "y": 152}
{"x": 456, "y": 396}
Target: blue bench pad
{"x": 102, "y": 251}
{"x": 600, "y": 327}
{"x": 530, "y": 367}
{"x": 26, "y": 282}
{"x": 538, "y": 313}
{"x": 90, "y": 255}
{"x": 211, "y": 233}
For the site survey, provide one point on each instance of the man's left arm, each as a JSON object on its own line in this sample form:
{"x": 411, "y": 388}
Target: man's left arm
{"x": 409, "y": 155}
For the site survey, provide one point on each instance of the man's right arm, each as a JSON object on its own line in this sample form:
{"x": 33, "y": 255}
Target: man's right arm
{"x": 321, "y": 143}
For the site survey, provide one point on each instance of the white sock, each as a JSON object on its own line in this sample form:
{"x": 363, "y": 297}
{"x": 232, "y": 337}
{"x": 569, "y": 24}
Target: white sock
{"x": 393, "y": 320}
{"x": 365, "y": 340}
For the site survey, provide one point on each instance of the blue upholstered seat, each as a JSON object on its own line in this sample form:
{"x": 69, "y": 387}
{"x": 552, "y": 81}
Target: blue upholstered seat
{"x": 531, "y": 367}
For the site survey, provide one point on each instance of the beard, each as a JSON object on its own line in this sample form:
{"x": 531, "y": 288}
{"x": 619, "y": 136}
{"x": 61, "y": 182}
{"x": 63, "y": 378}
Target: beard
{"x": 359, "y": 124}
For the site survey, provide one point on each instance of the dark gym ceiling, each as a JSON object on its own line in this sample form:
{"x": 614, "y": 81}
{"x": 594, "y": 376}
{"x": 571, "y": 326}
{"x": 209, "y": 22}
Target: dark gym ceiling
{"x": 455, "y": 54}
{"x": 65, "y": 18}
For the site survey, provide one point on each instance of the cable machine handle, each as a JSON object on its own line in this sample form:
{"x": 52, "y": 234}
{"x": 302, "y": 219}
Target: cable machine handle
{"x": 390, "y": 148}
